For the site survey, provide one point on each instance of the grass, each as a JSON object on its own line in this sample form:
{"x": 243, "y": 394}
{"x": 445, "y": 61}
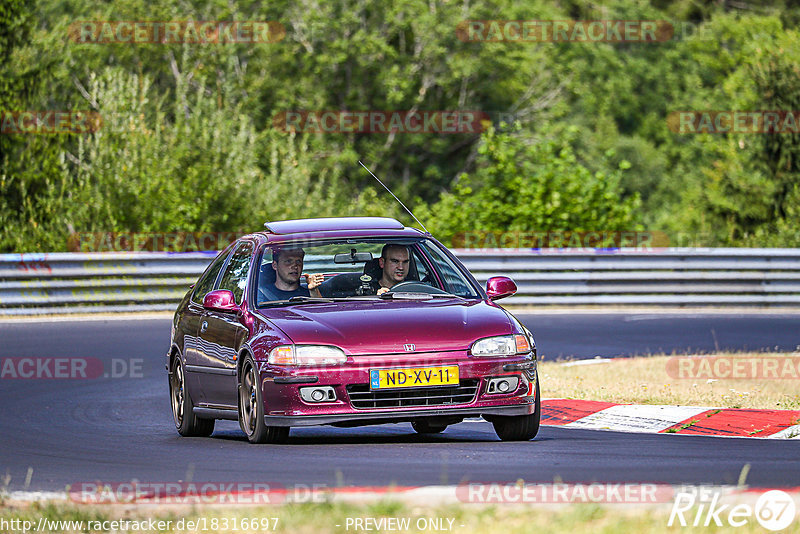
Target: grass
{"x": 323, "y": 518}
{"x": 646, "y": 380}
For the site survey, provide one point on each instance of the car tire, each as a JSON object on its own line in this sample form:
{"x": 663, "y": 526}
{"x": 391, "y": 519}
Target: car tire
{"x": 251, "y": 408}
{"x": 424, "y": 427}
{"x": 520, "y": 427}
{"x": 186, "y": 421}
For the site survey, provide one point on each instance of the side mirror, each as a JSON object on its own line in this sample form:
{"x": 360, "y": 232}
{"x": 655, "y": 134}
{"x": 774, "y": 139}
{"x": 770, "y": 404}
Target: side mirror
{"x": 220, "y": 300}
{"x": 498, "y": 287}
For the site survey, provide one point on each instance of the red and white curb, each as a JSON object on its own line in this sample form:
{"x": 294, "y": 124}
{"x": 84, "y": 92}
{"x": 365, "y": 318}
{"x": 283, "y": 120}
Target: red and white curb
{"x": 659, "y": 419}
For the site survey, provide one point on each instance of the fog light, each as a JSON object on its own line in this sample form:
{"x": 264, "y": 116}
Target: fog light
{"x": 318, "y": 394}
{"x": 506, "y": 384}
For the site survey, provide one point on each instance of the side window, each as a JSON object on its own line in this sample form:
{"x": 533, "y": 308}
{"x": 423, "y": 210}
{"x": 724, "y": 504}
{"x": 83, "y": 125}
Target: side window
{"x": 234, "y": 278}
{"x": 206, "y": 282}
{"x": 453, "y": 281}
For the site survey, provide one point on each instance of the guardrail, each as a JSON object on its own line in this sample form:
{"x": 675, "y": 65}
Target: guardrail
{"x": 106, "y": 282}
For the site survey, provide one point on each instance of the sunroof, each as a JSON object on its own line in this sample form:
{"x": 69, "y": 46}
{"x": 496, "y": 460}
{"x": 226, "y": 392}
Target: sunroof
{"x": 328, "y": 224}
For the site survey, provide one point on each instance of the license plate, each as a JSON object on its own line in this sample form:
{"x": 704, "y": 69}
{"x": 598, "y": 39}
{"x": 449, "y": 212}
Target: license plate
{"x": 446, "y": 375}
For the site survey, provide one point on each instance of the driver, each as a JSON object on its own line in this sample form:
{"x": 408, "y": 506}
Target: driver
{"x": 394, "y": 263}
{"x": 288, "y": 265}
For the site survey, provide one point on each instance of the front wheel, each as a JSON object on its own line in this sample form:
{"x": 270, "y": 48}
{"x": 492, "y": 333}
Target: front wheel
{"x": 251, "y": 408}
{"x": 186, "y": 422}
{"x": 520, "y": 427}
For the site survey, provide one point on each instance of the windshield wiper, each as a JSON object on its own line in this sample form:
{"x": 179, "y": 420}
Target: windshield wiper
{"x": 404, "y": 296}
{"x": 413, "y": 295}
{"x": 298, "y": 299}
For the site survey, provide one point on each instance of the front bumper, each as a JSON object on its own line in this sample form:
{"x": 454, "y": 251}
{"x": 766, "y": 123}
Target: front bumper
{"x": 283, "y": 405}
{"x": 395, "y": 416}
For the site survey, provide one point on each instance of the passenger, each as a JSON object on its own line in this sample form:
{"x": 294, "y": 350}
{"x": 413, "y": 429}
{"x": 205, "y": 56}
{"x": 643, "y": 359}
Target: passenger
{"x": 288, "y": 266}
{"x": 394, "y": 262}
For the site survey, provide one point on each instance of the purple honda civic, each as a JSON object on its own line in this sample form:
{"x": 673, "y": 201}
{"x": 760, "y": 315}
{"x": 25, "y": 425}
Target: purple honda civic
{"x": 348, "y": 322}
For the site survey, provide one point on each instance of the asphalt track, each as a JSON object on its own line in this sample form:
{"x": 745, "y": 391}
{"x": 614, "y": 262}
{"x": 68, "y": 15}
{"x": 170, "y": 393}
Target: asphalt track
{"x": 116, "y": 430}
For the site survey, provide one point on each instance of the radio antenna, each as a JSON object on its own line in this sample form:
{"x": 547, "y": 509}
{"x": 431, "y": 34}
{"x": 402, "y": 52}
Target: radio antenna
{"x": 395, "y": 196}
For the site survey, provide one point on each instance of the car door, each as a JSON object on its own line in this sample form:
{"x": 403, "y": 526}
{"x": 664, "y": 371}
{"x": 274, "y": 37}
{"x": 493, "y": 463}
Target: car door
{"x": 190, "y": 323}
{"x": 221, "y": 333}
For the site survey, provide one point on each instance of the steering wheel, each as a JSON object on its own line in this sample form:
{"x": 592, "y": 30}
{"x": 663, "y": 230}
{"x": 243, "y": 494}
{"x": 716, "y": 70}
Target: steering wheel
{"x": 412, "y": 286}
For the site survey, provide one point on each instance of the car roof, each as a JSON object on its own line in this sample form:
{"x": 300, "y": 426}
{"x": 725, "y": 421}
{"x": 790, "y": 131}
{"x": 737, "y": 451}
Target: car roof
{"x": 332, "y": 223}
{"x": 336, "y": 227}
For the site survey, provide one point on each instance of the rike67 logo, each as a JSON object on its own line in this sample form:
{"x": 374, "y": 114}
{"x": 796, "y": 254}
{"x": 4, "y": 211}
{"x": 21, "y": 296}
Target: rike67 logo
{"x": 698, "y": 506}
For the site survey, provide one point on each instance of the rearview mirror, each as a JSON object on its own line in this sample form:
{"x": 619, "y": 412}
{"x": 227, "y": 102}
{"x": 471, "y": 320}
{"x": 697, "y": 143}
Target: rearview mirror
{"x": 220, "y": 300}
{"x": 352, "y": 257}
{"x": 498, "y": 287}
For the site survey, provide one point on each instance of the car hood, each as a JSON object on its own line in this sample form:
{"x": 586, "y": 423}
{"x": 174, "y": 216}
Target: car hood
{"x": 385, "y": 326}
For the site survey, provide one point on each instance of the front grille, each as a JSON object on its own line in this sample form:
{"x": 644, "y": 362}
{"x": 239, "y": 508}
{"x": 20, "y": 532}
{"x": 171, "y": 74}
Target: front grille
{"x": 362, "y": 398}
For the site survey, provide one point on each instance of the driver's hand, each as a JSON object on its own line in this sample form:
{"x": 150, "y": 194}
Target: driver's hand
{"x": 314, "y": 280}
{"x": 383, "y": 290}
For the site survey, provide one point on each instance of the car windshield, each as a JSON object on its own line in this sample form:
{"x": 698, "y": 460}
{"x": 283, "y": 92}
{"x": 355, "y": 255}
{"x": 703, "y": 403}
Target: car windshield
{"x": 351, "y": 270}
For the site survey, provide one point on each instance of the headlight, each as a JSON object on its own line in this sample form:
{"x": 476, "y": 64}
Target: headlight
{"x": 319, "y": 355}
{"x": 501, "y": 346}
{"x": 307, "y": 355}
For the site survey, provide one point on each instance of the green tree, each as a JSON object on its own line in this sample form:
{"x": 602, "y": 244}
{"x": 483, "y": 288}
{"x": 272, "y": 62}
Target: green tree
{"x": 28, "y": 164}
{"x": 747, "y": 193}
{"x": 528, "y": 184}
{"x": 188, "y": 161}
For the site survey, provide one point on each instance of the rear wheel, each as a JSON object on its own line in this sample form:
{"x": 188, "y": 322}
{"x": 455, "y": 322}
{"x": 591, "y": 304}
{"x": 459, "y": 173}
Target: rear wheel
{"x": 424, "y": 427}
{"x": 186, "y": 422}
{"x": 251, "y": 409}
{"x": 520, "y": 427}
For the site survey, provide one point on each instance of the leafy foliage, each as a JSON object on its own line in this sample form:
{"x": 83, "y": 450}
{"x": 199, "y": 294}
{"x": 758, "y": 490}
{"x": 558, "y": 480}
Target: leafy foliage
{"x": 525, "y": 184}
{"x": 188, "y": 141}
